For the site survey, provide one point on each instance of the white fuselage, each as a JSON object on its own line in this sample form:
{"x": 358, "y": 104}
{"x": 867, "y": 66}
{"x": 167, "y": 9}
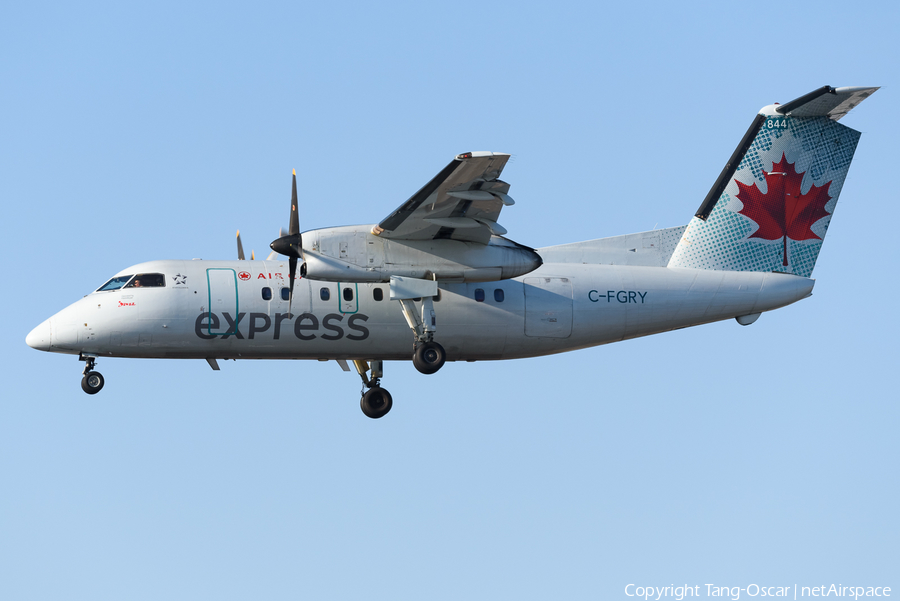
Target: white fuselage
{"x": 556, "y": 308}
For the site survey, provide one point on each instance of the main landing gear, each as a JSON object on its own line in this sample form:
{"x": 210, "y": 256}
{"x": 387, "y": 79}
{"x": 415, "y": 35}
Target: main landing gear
{"x": 428, "y": 355}
{"x": 92, "y": 382}
{"x": 375, "y": 401}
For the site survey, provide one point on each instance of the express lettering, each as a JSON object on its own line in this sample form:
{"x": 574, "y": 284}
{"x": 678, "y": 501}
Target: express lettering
{"x": 621, "y": 296}
{"x": 306, "y": 326}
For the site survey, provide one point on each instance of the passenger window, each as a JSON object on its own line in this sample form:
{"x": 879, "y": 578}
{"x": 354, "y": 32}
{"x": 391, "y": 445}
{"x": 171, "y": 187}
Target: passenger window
{"x": 479, "y": 295}
{"x": 348, "y": 294}
{"x": 147, "y": 280}
{"x": 378, "y": 294}
{"x": 267, "y": 293}
{"x": 285, "y": 294}
{"x": 324, "y": 294}
{"x": 498, "y": 295}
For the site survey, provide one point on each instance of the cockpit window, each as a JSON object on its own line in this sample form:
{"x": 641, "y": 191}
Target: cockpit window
{"x": 147, "y": 280}
{"x": 114, "y": 284}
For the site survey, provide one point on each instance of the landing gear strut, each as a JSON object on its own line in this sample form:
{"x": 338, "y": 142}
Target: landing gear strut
{"x": 376, "y": 401}
{"x": 92, "y": 381}
{"x": 428, "y": 356}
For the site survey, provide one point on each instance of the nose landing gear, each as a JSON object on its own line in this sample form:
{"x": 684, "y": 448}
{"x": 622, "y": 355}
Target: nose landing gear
{"x": 376, "y": 401}
{"x": 92, "y": 381}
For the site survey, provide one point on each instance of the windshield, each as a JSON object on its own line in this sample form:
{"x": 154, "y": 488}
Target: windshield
{"x": 147, "y": 280}
{"x": 114, "y": 284}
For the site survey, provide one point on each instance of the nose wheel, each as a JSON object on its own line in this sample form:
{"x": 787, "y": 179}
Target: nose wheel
{"x": 375, "y": 401}
{"x": 92, "y": 381}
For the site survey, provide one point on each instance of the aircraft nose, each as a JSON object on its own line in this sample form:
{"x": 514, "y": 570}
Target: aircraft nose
{"x": 39, "y": 338}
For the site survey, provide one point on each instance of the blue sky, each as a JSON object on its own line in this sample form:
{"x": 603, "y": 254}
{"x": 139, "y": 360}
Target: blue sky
{"x": 719, "y": 454}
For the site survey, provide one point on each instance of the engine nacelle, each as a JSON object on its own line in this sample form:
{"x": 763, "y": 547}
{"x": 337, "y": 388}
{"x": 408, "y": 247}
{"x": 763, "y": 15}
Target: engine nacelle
{"x": 353, "y": 254}
{"x": 322, "y": 267}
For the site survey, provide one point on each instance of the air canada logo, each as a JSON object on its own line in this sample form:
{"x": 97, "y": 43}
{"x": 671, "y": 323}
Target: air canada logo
{"x": 783, "y": 211}
{"x": 244, "y": 276}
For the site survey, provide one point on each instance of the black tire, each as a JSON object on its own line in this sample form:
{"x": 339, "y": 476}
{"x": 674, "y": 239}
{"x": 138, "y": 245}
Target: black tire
{"x": 92, "y": 382}
{"x": 376, "y": 402}
{"x": 429, "y": 357}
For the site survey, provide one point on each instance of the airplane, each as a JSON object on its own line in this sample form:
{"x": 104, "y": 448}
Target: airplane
{"x": 437, "y": 280}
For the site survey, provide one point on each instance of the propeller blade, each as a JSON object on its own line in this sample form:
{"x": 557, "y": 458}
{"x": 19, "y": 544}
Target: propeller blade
{"x": 295, "y": 217}
{"x": 252, "y": 255}
{"x": 291, "y": 245}
{"x": 240, "y": 247}
{"x": 292, "y": 271}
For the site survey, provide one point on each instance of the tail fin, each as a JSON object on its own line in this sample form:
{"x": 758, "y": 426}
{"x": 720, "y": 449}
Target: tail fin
{"x": 771, "y": 206}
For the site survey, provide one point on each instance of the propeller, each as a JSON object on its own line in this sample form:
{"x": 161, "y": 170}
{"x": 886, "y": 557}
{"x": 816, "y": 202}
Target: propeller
{"x": 291, "y": 245}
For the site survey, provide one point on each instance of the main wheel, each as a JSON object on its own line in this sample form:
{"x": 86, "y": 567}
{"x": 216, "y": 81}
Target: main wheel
{"x": 92, "y": 382}
{"x": 376, "y": 402}
{"x": 429, "y": 357}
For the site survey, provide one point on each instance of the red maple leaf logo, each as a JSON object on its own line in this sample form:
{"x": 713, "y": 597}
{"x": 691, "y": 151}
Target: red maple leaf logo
{"x": 783, "y": 212}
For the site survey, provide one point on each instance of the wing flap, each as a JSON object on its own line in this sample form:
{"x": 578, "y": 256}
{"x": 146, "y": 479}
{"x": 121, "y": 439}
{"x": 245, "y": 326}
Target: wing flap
{"x": 453, "y": 222}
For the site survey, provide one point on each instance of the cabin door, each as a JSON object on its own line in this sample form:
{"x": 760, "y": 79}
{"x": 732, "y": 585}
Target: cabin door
{"x": 223, "y": 298}
{"x": 548, "y": 307}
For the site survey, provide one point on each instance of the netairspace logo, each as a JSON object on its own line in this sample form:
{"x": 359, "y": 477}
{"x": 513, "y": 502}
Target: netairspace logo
{"x": 678, "y": 593}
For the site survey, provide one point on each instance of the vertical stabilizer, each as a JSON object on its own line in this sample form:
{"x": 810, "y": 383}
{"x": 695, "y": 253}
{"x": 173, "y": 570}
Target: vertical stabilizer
{"x": 771, "y": 206}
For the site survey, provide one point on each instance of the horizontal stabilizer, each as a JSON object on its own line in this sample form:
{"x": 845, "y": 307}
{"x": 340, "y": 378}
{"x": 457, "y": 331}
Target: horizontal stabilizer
{"x": 826, "y": 102}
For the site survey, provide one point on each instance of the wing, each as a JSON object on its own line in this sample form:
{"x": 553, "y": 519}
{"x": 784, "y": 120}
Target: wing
{"x": 462, "y": 202}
